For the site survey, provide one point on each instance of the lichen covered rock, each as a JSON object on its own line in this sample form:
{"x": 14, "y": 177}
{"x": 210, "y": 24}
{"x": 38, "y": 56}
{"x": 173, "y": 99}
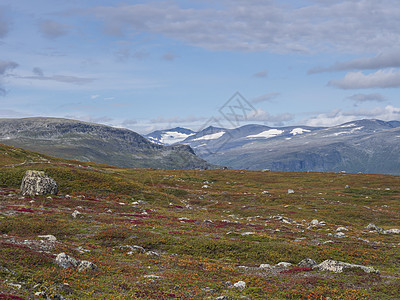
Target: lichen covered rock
{"x": 37, "y": 183}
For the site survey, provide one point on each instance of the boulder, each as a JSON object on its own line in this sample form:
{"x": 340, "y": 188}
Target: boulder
{"x": 265, "y": 266}
{"x": 240, "y": 285}
{"x": 283, "y": 264}
{"x": 77, "y": 215}
{"x": 36, "y": 183}
{"x": 48, "y": 237}
{"x": 339, "y": 266}
{"x": 65, "y": 261}
{"x": 307, "y": 263}
{"x": 86, "y": 265}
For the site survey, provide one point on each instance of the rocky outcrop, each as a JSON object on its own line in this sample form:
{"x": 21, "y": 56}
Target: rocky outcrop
{"x": 36, "y": 183}
{"x": 339, "y": 266}
{"x": 65, "y": 261}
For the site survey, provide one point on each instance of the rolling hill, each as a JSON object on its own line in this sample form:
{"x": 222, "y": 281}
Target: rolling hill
{"x": 97, "y": 143}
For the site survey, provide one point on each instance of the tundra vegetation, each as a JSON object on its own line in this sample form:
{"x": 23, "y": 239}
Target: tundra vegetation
{"x": 195, "y": 234}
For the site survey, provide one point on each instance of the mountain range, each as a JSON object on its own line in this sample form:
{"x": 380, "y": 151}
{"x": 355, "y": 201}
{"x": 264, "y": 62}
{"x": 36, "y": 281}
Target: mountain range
{"x": 368, "y": 146}
{"x": 84, "y": 141}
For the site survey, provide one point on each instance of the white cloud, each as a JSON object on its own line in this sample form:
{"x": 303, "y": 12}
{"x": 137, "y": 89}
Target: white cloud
{"x": 265, "y": 98}
{"x": 5, "y": 67}
{"x": 261, "y": 74}
{"x": 358, "y": 80}
{"x": 168, "y": 120}
{"x": 260, "y": 115}
{"x": 38, "y": 71}
{"x": 264, "y": 25}
{"x": 52, "y": 29}
{"x": 60, "y": 78}
{"x": 336, "y": 117}
{"x": 389, "y": 59}
{"x": 4, "y": 23}
{"x": 367, "y": 97}
{"x": 169, "y": 56}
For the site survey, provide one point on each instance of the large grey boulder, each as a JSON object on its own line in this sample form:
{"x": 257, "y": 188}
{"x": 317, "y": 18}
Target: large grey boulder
{"x": 36, "y": 183}
{"x": 65, "y": 261}
{"x": 339, "y": 266}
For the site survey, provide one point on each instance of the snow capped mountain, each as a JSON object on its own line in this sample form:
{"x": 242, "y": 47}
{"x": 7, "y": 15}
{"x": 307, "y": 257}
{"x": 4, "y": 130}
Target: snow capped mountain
{"x": 169, "y": 136}
{"x": 357, "y": 146}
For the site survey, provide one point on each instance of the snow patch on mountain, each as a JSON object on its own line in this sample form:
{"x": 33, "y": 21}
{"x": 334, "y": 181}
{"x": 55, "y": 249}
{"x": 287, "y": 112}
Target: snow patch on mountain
{"x": 172, "y": 137}
{"x": 347, "y": 125}
{"x": 266, "y": 134}
{"x": 299, "y": 131}
{"x": 345, "y": 132}
{"x": 212, "y": 136}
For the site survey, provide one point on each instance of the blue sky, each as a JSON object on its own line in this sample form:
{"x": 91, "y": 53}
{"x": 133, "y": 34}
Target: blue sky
{"x": 147, "y": 65}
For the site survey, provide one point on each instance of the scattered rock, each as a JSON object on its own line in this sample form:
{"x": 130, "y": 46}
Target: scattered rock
{"x": 394, "y": 230}
{"x": 80, "y": 249}
{"x": 342, "y": 229}
{"x": 339, "y": 235}
{"x": 339, "y": 267}
{"x": 76, "y": 214}
{"x": 65, "y": 261}
{"x": 248, "y": 233}
{"x": 283, "y": 264}
{"x": 36, "y": 183}
{"x": 151, "y": 276}
{"x": 48, "y": 237}
{"x": 152, "y": 253}
{"x": 86, "y": 265}
{"x": 372, "y": 226}
{"x": 314, "y": 222}
{"x": 240, "y": 285}
{"x": 265, "y": 266}
{"x": 15, "y": 285}
{"x": 133, "y": 249}
{"x": 307, "y": 263}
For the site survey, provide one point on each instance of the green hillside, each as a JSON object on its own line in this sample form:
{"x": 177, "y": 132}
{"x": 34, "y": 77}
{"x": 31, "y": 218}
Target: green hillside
{"x": 193, "y": 234}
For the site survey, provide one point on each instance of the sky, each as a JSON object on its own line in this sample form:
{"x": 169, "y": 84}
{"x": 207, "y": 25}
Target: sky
{"x": 147, "y": 65}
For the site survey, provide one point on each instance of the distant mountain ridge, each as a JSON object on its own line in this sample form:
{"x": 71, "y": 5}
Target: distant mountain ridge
{"x": 369, "y": 145}
{"x": 97, "y": 143}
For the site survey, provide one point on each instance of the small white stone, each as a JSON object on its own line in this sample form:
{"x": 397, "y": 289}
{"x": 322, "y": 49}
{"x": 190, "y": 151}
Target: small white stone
{"x": 284, "y": 264}
{"x": 342, "y": 229}
{"x": 49, "y": 237}
{"x": 265, "y": 266}
{"x": 240, "y": 285}
{"x": 77, "y": 214}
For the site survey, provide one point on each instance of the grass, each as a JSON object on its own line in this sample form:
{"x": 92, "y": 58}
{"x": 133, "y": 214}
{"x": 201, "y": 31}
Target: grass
{"x": 207, "y": 238}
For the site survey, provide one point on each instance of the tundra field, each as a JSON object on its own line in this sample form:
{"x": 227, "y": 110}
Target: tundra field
{"x": 196, "y": 234}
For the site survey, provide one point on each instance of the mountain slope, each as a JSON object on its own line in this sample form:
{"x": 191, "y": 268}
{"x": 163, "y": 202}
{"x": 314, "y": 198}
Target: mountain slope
{"x": 370, "y": 146}
{"x": 93, "y": 142}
